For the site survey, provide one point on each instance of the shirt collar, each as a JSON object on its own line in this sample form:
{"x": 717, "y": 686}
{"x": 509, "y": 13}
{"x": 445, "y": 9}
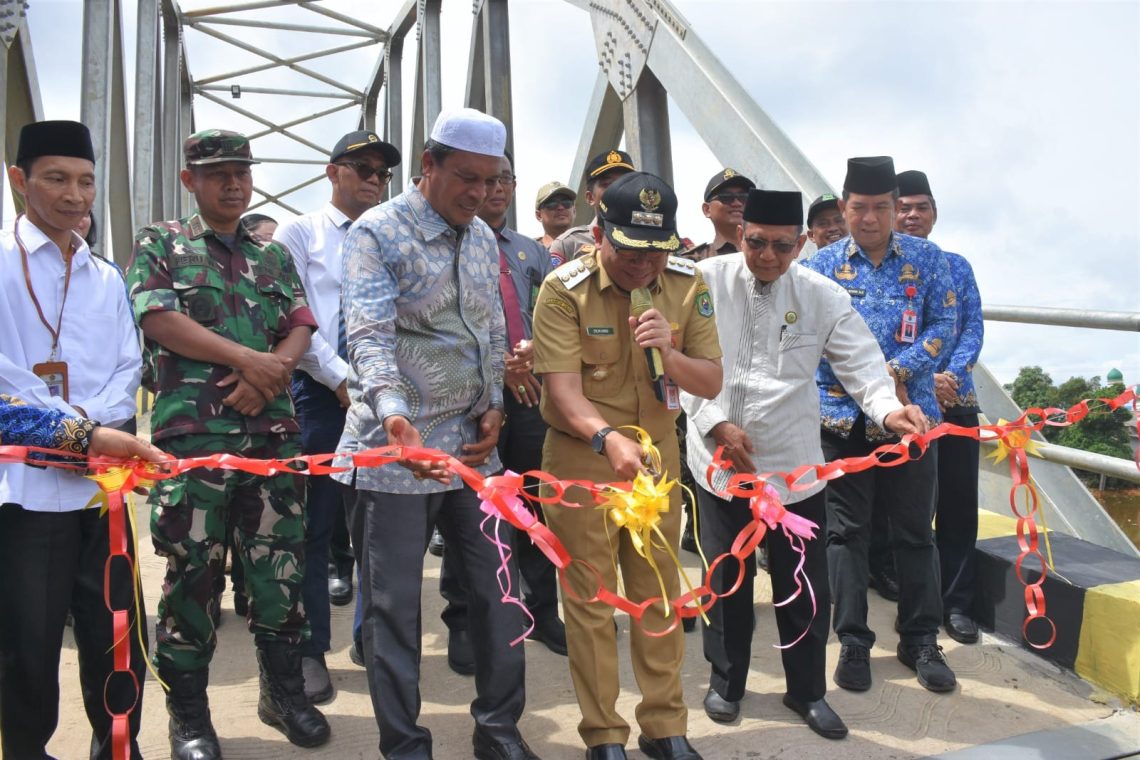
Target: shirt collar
{"x": 431, "y": 224}
{"x": 34, "y": 240}
{"x": 893, "y": 248}
{"x": 336, "y": 216}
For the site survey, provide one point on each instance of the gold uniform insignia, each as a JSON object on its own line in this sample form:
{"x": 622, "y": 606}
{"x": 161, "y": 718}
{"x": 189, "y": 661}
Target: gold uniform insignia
{"x": 565, "y": 307}
{"x": 522, "y": 255}
{"x": 845, "y": 272}
{"x": 613, "y": 158}
{"x": 933, "y": 346}
{"x": 909, "y": 273}
{"x": 951, "y": 298}
{"x": 836, "y": 391}
{"x": 729, "y": 174}
{"x": 650, "y": 199}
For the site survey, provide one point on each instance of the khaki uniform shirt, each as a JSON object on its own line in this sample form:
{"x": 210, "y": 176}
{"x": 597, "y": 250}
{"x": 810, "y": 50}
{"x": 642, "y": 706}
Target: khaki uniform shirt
{"x": 581, "y": 324}
{"x": 574, "y": 242}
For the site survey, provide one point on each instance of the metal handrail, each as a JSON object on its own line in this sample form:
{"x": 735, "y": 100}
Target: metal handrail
{"x": 1102, "y": 464}
{"x": 1129, "y": 321}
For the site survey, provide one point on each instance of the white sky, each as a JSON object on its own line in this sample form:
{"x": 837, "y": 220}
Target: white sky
{"x": 1025, "y": 115}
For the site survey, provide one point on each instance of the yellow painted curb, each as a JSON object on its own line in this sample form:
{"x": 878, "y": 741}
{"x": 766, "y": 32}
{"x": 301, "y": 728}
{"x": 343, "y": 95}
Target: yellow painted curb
{"x": 993, "y": 525}
{"x": 1109, "y": 650}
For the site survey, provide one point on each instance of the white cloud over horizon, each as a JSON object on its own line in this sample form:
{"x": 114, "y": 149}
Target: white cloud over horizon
{"x": 1025, "y": 115}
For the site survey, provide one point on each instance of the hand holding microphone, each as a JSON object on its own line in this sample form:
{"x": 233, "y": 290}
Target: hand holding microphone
{"x": 651, "y": 331}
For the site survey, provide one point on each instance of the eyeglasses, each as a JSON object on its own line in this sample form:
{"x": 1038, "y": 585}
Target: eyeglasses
{"x": 364, "y": 171}
{"x": 759, "y": 245}
{"x": 506, "y": 179}
{"x": 728, "y": 198}
{"x": 557, "y": 203}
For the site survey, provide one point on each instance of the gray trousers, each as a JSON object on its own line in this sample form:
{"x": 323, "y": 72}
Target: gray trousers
{"x": 390, "y": 534}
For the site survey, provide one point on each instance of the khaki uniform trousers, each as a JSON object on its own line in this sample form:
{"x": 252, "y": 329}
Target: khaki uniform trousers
{"x": 591, "y": 537}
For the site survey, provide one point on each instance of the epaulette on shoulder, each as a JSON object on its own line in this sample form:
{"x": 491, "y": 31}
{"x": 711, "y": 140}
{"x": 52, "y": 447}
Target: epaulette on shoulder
{"x": 681, "y": 266}
{"x": 575, "y": 271}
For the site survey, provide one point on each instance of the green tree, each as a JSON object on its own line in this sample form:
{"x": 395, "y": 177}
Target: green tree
{"x": 1032, "y": 388}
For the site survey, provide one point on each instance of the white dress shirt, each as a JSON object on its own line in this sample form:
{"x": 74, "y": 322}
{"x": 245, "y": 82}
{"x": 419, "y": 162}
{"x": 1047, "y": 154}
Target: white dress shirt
{"x": 773, "y": 336}
{"x": 98, "y": 341}
{"x": 314, "y": 240}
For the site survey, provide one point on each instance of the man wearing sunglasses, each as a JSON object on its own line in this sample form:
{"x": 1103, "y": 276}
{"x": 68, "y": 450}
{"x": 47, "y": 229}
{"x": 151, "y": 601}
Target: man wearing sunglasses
{"x": 554, "y": 209}
{"x": 603, "y": 170}
{"x": 725, "y": 194}
{"x": 359, "y": 170}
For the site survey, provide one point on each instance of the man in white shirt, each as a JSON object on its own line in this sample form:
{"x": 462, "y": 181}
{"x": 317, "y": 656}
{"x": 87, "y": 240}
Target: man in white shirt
{"x": 781, "y": 321}
{"x": 359, "y": 169}
{"x": 69, "y": 343}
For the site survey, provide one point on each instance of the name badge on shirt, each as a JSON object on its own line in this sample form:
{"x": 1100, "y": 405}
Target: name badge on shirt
{"x": 54, "y": 375}
{"x": 672, "y": 395}
{"x": 908, "y": 331}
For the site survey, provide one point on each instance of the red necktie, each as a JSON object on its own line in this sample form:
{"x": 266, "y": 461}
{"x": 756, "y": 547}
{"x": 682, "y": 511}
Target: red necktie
{"x": 511, "y": 308}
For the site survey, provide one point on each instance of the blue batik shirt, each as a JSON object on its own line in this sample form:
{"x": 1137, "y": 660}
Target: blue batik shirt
{"x": 879, "y": 295}
{"x": 426, "y": 335}
{"x": 962, "y": 354}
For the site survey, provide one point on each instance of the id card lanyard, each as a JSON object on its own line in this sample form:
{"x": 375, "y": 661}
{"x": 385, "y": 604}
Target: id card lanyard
{"x": 52, "y": 372}
{"x": 908, "y": 331}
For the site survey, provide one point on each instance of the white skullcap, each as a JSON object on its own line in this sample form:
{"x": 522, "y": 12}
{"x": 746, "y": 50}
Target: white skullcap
{"x": 470, "y": 130}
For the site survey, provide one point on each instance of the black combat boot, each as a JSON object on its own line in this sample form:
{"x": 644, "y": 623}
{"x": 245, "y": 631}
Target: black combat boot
{"x": 283, "y": 703}
{"x": 192, "y": 735}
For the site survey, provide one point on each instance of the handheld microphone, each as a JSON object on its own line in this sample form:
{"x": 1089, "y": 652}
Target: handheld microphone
{"x": 641, "y": 301}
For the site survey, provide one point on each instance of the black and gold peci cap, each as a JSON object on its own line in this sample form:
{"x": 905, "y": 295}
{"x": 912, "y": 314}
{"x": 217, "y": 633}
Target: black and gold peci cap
{"x": 364, "y": 139}
{"x": 724, "y": 178}
{"x": 216, "y": 146}
{"x": 639, "y": 212}
{"x": 776, "y": 207}
{"x": 604, "y": 163}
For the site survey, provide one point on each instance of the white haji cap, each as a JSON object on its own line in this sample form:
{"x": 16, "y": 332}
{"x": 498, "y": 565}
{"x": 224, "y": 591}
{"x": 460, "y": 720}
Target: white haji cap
{"x": 470, "y": 130}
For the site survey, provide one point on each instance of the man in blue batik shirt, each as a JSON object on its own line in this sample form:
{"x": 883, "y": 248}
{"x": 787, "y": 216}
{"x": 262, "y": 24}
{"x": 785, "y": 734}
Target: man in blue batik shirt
{"x": 956, "y": 511}
{"x": 426, "y": 342}
{"x": 901, "y": 287}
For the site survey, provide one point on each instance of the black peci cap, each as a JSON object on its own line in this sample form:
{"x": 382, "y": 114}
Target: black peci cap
{"x": 639, "y": 212}
{"x": 913, "y": 182}
{"x": 782, "y": 207}
{"x": 54, "y": 138}
{"x": 870, "y": 175}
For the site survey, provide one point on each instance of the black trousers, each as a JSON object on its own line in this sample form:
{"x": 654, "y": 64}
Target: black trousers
{"x": 390, "y": 534}
{"x": 956, "y": 516}
{"x": 727, "y": 637}
{"x": 907, "y": 492}
{"x": 52, "y": 562}
{"x": 520, "y": 449}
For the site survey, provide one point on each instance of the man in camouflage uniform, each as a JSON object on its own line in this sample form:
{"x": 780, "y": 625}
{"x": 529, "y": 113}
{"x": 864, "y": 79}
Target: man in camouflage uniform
{"x": 603, "y": 170}
{"x": 225, "y": 320}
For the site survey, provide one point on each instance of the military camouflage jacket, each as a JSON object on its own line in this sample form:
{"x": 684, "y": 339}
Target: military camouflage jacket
{"x": 249, "y": 294}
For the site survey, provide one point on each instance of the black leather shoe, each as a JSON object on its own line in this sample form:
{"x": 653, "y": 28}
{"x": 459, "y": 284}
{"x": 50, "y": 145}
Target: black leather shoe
{"x": 241, "y": 604}
{"x": 854, "y": 669}
{"x": 819, "y": 716}
{"x": 356, "y": 653}
{"x": 551, "y": 632}
{"x": 435, "y": 545}
{"x": 283, "y": 704}
{"x": 961, "y": 628}
{"x": 927, "y": 662}
{"x": 688, "y": 540}
{"x": 883, "y": 580}
{"x": 720, "y": 709}
{"x": 340, "y": 591}
{"x": 192, "y": 735}
{"x": 460, "y": 655}
{"x": 688, "y": 624}
{"x": 318, "y": 685}
{"x": 668, "y": 748}
{"x": 606, "y": 752}
{"x": 487, "y": 748}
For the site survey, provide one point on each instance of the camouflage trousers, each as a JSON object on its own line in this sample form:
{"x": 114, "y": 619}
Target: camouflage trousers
{"x": 189, "y": 518}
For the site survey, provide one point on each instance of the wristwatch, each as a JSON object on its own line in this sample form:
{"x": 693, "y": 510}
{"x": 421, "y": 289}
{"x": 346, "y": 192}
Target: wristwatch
{"x": 598, "y": 442}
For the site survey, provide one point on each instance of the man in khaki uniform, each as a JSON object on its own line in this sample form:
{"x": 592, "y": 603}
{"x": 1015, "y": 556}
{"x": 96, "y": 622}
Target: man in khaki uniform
{"x": 592, "y": 353}
{"x": 603, "y": 170}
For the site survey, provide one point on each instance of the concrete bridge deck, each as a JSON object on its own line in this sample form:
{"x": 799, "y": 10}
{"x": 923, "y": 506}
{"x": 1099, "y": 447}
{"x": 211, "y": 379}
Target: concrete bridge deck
{"x": 1003, "y": 692}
